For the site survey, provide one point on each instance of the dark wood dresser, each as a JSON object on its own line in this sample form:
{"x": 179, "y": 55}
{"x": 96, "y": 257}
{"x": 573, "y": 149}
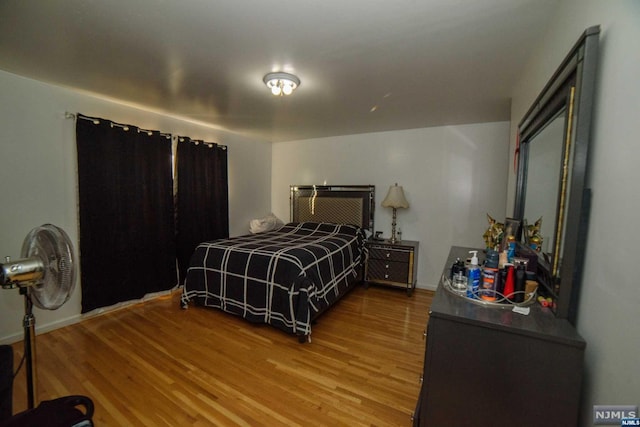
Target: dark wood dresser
{"x": 493, "y": 367}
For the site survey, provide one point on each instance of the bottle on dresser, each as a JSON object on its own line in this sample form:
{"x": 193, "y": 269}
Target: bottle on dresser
{"x": 490, "y": 276}
{"x": 473, "y": 276}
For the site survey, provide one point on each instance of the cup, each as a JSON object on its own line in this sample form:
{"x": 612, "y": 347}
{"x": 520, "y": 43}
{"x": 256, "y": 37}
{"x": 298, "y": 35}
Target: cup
{"x": 459, "y": 282}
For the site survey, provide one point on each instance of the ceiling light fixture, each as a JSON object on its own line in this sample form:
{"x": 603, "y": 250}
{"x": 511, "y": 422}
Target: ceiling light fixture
{"x": 281, "y": 83}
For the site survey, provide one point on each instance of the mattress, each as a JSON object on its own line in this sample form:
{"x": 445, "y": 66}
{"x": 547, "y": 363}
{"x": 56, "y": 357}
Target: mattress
{"x": 283, "y": 278}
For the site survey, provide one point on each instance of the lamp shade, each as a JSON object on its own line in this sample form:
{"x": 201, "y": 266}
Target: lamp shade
{"x": 395, "y": 198}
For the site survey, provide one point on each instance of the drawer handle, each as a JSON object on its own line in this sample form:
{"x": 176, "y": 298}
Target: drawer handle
{"x": 386, "y": 266}
{"x": 388, "y": 254}
{"x": 386, "y": 276}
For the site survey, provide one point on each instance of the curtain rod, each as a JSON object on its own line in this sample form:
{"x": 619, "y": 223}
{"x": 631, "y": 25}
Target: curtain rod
{"x": 96, "y": 121}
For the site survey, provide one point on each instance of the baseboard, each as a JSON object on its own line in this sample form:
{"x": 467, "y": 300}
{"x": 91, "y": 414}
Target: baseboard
{"x": 41, "y": 329}
{"x": 76, "y": 318}
{"x": 428, "y": 287}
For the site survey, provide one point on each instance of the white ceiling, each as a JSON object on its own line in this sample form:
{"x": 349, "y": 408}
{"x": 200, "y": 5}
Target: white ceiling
{"x": 365, "y": 65}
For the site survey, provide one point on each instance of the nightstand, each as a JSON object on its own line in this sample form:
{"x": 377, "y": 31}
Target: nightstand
{"x": 392, "y": 264}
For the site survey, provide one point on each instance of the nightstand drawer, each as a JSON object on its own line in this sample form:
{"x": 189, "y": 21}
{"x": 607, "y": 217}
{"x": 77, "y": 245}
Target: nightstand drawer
{"x": 389, "y": 271}
{"x": 389, "y": 254}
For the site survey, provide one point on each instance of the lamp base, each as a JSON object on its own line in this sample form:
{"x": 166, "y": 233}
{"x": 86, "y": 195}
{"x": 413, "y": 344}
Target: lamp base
{"x": 393, "y": 238}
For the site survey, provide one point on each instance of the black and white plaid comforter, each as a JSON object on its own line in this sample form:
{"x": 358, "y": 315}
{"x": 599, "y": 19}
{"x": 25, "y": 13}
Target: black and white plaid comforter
{"x": 282, "y": 278}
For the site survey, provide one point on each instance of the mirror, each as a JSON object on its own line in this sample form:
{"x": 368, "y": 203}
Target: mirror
{"x": 552, "y": 165}
{"x": 543, "y": 180}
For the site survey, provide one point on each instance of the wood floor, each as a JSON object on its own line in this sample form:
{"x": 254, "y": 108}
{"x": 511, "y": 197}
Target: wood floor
{"x": 153, "y": 364}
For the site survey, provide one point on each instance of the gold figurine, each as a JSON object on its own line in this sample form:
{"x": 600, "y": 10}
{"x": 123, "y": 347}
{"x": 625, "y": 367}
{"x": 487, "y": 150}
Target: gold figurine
{"x": 493, "y": 236}
{"x": 534, "y": 238}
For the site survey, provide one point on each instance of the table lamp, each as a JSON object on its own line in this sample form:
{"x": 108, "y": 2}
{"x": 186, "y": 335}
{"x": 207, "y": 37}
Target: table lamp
{"x": 395, "y": 199}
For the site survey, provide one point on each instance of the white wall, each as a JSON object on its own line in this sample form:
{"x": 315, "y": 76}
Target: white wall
{"x": 610, "y": 295}
{"x": 452, "y": 177}
{"x": 38, "y": 174}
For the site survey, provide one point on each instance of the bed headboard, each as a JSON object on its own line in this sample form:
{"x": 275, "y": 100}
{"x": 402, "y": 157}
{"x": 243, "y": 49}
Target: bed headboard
{"x": 342, "y": 204}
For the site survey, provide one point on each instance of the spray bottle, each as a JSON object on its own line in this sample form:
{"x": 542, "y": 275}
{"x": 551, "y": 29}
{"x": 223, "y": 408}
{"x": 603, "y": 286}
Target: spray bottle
{"x": 509, "y": 282}
{"x": 490, "y": 276}
{"x": 473, "y": 276}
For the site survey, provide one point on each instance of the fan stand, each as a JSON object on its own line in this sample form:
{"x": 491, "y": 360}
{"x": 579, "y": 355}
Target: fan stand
{"x": 46, "y": 277}
{"x": 29, "y": 324}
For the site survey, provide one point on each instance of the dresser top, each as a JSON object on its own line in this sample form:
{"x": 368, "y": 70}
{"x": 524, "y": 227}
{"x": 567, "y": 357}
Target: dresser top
{"x": 540, "y": 322}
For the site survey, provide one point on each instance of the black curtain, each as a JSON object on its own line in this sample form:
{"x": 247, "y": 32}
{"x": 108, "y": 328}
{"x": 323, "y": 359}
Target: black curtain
{"x": 127, "y": 229}
{"x": 202, "y": 197}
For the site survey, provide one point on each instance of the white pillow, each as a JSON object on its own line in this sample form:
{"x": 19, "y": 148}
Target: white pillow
{"x": 268, "y": 223}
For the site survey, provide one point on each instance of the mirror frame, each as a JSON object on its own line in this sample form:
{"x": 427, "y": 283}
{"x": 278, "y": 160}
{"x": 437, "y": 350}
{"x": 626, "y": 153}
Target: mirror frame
{"x": 571, "y": 88}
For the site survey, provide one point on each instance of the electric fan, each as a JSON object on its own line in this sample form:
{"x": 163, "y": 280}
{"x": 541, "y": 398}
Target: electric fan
{"x": 46, "y": 276}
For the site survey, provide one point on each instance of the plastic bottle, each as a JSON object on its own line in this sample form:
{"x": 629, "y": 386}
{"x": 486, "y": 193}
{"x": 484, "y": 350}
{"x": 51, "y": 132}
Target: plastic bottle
{"x": 519, "y": 285}
{"x": 503, "y": 259}
{"x": 490, "y": 276}
{"x": 509, "y": 282}
{"x": 473, "y": 276}
{"x": 511, "y": 249}
{"x": 502, "y": 275}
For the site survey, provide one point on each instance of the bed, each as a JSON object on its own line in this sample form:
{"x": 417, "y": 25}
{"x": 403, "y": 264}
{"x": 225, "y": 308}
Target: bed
{"x": 287, "y": 277}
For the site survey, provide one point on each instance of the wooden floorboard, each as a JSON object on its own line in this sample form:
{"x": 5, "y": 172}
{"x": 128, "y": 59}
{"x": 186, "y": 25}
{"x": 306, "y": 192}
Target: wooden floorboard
{"x": 154, "y": 364}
